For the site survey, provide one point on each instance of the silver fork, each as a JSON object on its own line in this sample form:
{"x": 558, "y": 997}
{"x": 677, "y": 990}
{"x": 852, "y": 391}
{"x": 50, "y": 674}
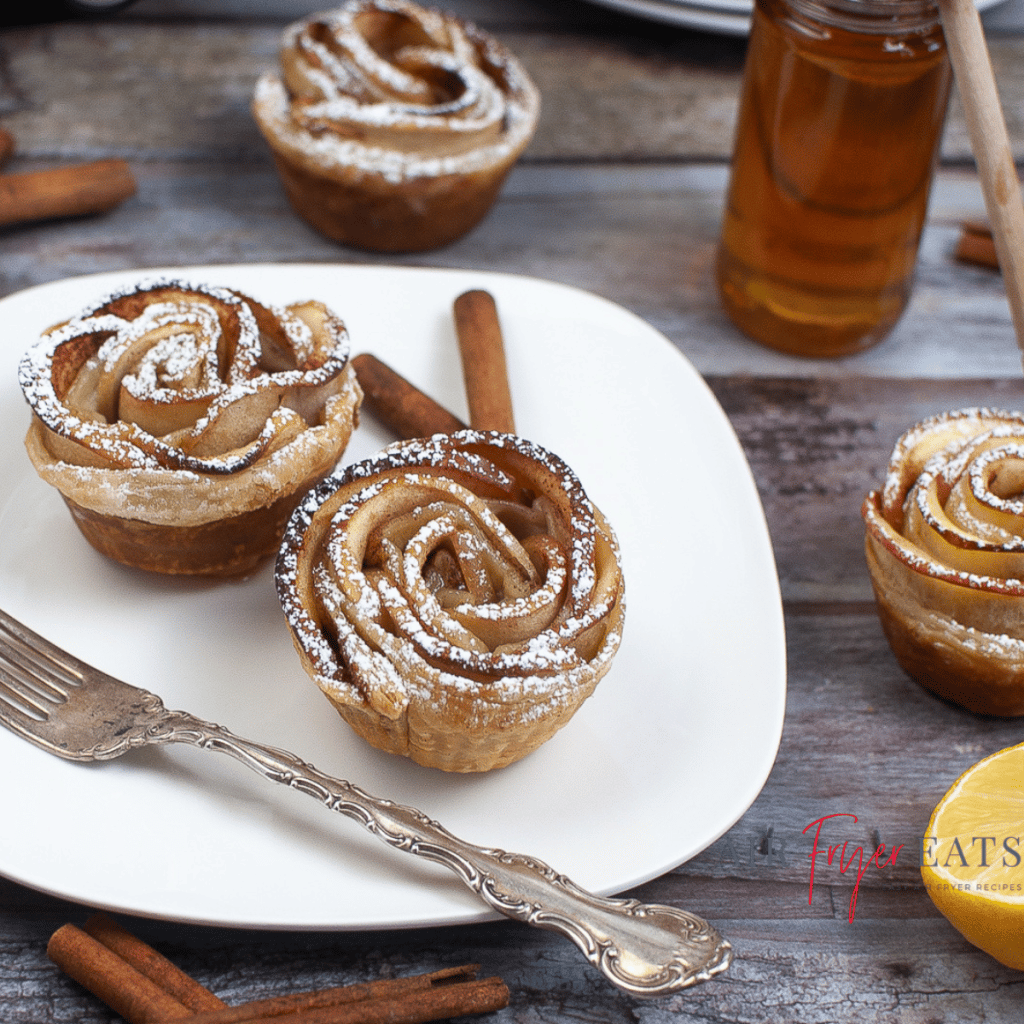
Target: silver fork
{"x": 77, "y": 712}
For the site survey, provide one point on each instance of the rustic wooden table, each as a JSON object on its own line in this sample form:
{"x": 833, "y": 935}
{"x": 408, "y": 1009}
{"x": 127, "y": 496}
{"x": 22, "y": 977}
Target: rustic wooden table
{"x": 620, "y": 193}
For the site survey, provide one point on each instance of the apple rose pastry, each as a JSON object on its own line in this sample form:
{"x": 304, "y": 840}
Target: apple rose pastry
{"x": 392, "y": 125}
{"x": 456, "y": 598}
{"x": 945, "y": 548}
{"x": 182, "y": 424}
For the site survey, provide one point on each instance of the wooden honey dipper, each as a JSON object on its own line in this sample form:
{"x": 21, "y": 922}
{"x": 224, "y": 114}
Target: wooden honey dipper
{"x": 990, "y": 143}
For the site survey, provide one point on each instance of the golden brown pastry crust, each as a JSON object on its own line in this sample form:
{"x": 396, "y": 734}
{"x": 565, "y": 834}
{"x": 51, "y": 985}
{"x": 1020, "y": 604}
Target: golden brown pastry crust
{"x": 456, "y": 598}
{"x": 182, "y": 423}
{"x": 392, "y": 125}
{"x": 945, "y": 549}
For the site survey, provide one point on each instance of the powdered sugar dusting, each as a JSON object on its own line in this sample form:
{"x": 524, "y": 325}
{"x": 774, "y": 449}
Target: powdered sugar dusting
{"x": 938, "y": 493}
{"x": 528, "y": 623}
{"x": 348, "y": 97}
{"x": 178, "y": 403}
{"x": 167, "y": 354}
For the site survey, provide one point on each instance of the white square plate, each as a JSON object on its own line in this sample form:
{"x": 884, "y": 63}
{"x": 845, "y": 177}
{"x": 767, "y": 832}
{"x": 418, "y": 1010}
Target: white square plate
{"x": 668, "y": 753}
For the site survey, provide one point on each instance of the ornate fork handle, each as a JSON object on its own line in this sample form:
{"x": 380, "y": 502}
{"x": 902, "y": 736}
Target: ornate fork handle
{"x": 645, "y": 949}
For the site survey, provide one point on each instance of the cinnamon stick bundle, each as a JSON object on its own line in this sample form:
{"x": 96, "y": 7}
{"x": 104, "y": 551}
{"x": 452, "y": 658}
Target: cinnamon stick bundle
{"x": 409, "y": 412}
{"x": 126, "y": 990}
{"x": 144, "y": 987}
{"x": 151, "y": 964}
{"x": 65, "y": 191}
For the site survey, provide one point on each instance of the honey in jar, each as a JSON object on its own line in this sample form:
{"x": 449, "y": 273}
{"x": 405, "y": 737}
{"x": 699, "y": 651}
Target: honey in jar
{"x": 837, "y": 136}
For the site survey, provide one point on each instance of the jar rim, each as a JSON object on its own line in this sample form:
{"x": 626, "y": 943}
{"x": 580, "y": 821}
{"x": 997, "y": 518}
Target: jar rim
{"x": 871, "y": 16}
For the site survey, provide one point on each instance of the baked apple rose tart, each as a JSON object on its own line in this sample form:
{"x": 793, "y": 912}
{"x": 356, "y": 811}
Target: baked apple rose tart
{"x": 183, "y": 423}
{"x": 945, "y": 548}
{"x": 457, "y": 598}
{"x": 393, "y": 126}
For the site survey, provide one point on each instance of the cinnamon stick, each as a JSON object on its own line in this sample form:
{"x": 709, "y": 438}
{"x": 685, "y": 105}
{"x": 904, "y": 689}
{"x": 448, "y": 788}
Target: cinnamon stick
{"x": 65, "y": 191}
{"x": 399, "y": 404}
{"x": 6, "y": 146}
{"x": 151, "y": 964}
{"x": 976, "y": 244}
{"x": 483, "y": 362}
{"x": 453, "y": 992}
{"x": 124, "y": 989}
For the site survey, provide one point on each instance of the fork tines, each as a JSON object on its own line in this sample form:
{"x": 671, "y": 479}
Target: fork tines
{"x": 34, "y": 674}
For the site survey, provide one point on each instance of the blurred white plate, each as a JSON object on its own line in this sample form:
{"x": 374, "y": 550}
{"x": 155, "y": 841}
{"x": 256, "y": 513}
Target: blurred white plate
{"x": 688, "y": 15}
{"x": 669, "y": 752}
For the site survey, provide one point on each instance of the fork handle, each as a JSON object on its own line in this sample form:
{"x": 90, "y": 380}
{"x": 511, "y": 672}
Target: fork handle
{"x": 644, "y": 949}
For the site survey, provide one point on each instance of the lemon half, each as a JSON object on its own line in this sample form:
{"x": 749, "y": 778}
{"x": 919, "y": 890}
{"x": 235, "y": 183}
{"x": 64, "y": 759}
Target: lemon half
{"x": 973, "y": 855}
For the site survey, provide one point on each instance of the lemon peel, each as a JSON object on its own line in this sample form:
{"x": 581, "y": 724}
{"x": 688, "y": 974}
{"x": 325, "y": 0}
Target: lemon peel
{"x": 973, "y": 855}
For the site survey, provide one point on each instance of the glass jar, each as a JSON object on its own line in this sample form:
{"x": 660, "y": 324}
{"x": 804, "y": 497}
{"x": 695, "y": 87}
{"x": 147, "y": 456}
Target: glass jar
{"x": 837, "y": 137}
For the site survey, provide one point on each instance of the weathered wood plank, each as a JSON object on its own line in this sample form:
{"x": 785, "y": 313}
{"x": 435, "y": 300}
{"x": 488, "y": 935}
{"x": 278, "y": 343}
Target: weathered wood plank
{"x": 642, "y": 236}
{"x": 805, "y": 964}
{"x": 182, "y": 91}
{"x": 817, "y": 447}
